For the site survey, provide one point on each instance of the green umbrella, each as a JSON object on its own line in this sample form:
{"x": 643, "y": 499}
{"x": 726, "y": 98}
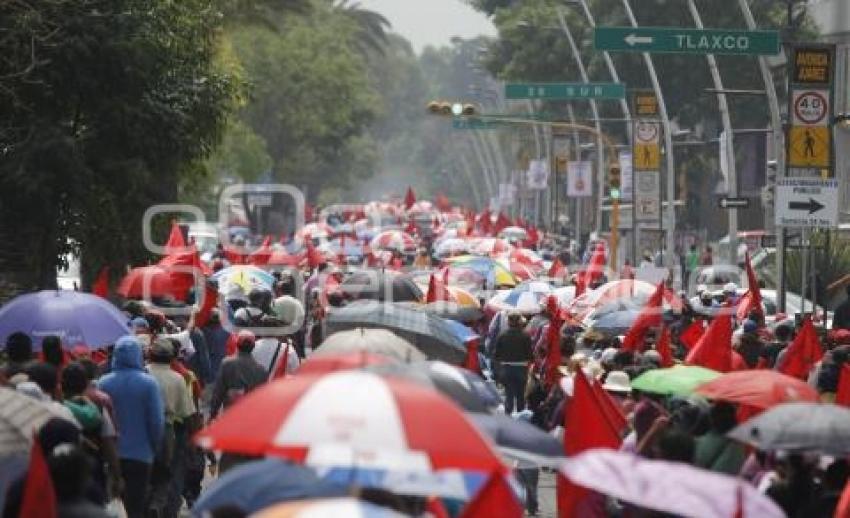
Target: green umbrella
{"x": 680, "y": 380}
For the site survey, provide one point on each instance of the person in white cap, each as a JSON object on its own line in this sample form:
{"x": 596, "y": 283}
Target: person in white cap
{"x": 730, "y": 292}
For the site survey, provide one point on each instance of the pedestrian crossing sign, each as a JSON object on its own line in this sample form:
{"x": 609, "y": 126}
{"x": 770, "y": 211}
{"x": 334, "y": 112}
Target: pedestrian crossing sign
{"x": 647, "y": 157}
{"x": 809, "y": 146}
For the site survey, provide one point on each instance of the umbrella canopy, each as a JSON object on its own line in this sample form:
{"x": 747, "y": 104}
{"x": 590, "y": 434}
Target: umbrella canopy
{"x": 314, "y": 231}
{"x": 393, "y": 240}
{"x": 514, "y": 233}
{"x": 350, "y": 248}
{"x": 758, "y": 389}
{"x": 281, "y": 257}
{"x": 520, "y": 441}
{"x": 526, "y": 257}
{"x": 329, "y": 508}
{"x": 817, "y": 427}
{"x": 565, "y": 295}
{"x": 615, "y": 322}
{"x": 670, "y": 487}
{"x": 493, "y": 271}
{"x": 631, "y": 292}
{"x": 256, "y": 485}
{"x": 75, "y": 317}
{"x": 451, "y": 246}
{"x": 20, "y": 417}
{"x": 680, "y": 380}
{"x": 351, "y": 418}
{"x": 522, "y": 271}
{"x": 327, "y": 363}
{"x": 427, "y": 332}
{"x": 241, "y": 279}
{"x": 490, "y": 246}
{"x": 371, "y": 341}
{"x": 525, "y": 298}
{"x": 453, "y": 387}
{"x": 147, "y": 282}
{"x": 380, "y": 285}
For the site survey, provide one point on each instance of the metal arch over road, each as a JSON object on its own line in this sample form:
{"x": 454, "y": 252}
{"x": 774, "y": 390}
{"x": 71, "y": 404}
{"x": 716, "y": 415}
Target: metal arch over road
{"x": 686, "y": 41}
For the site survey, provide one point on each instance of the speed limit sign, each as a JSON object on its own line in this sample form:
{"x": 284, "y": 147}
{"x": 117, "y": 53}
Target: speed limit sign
{"x": 811, "y": 107}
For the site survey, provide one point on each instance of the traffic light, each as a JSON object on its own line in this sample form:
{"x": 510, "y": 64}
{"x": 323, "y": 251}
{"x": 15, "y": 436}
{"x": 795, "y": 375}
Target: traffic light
{"x": 451, "y": 108}
{"x": 614, "y": 182}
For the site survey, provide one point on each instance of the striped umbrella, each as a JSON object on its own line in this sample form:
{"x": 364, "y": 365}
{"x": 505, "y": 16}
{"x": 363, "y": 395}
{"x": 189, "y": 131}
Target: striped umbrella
{"x": 494, "y": 272}
{"x": 242, "y": 278}
{"x": 451, "y": 246}
{"x": 20, "y": 417}
{"x": 351, "y": 418}
{"x": 490, "y": 246}
{"x": 393, "y": 240}
{"x": 525, "y": 298}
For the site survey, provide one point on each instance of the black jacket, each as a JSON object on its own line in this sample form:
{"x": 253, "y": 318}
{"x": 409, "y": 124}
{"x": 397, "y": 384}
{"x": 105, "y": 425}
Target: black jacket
{"x": 513, "y": 346}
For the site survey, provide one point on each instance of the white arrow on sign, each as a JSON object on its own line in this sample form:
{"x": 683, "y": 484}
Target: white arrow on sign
{"x": 633, "y": 39}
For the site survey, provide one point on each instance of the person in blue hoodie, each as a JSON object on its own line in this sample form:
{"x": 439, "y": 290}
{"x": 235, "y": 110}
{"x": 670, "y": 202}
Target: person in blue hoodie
{"x": 140, "y": 419}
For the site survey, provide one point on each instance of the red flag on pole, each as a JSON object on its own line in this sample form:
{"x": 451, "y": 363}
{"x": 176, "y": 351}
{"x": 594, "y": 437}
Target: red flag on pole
{"x": 751, "y": 301}
{"x": 314, "y": 256}
{"x": 613, "y": 412}
{"x": 39, "y": 498}
{"x": 842, "y": 510}
{"x": 557, "y": 270}
{"x": 409, "y": 198}
{"x": 207, "y": 305}
{"x": 803, "y": 353}
{"x": 662, "y": 346}
{"x": 586, "y": 426}
{"x": 502, "y": 222}
{"x": 714, "y": 348}
{"x": 596, "y": 266}
{"x": 471, "y": 362}
{"x": 496, "y": 498}
{"x": 484, "y": 223}
{"x": 553, "y": 340}
{"x": 691, "y": 334}
{"x": 437, "y": 291}
{"x": 442, "y": 202}
{"x": 649, "y": 317}
{"x": 100, "y": 287}
{"x": 176, "y": 242}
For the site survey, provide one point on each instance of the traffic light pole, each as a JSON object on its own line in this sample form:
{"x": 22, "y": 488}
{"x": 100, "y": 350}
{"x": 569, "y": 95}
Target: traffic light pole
{"x": 668, "y": 143}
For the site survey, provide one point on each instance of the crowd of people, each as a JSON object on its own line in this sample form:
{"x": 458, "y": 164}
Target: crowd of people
{"x": 125, "y": 415}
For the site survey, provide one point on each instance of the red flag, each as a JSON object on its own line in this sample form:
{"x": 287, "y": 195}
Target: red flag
{"x": 533, "y": 236}
{"x": 261, "y": 255}
{"x": 842, "y": 510}
{"x": 435, "y": 506}
{"x": 207, "y": 305}
{"x": 586, "y": 426}
{"x": 557, "y": 270}
{"x": 309, "y": 212}
{"x": 502, "y": 222}
{"x": 443, "y": 204}
{"x": 100, "y": 287}
{"x": 175, "y": 242}
{"x": 803, "y": 353}
{"x": 553, "y": 341}
{"x": 496, "y": 498}
{"x": 409, "y": 198}
{"x": 596, "y": 266}
{"x": 39, "y": 498}
{"x": 613, "y": 412}
{"x": 484, "y": 222}
{"x": 581, "y": 286}
{"x": 313, "y": 256}
{"x": 233, "y": 255}
{"x": 649, "y": 317}
{"x": 842, "y": 395}
{"x": 436, "y": 290}
{"x": 751, "y": 301}
{"x": 691, "y": 334}
{"x": 187, "y": 261}
{"x": 739, "y": 502}
{"x": 662, "y": 346}
{"x": 411, "y": 228}
{"x": 714, "y": 348}
{"x": 471, "y": 363}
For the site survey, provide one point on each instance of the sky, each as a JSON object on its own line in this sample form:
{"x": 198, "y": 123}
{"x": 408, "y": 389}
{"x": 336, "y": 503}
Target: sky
{"x": 431, "y": 22}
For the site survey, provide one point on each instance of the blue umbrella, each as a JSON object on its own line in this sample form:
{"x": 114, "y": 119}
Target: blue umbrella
{"x": 75, "y": 317}
{"x": 256, "y": 485}
{"x": 519, "y": 440}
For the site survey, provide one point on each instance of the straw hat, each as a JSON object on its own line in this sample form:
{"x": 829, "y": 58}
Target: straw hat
{"x": 617, "y": 381}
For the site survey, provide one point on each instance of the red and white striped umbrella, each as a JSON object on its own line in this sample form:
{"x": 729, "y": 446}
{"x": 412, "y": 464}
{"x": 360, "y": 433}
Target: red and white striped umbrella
{"x": 490, "y": 246}
{"x": 351, "y": 418}
{"x": 526, "y": 257}
{"x": 315, "y": 231}
{"x": 393, "y": 240}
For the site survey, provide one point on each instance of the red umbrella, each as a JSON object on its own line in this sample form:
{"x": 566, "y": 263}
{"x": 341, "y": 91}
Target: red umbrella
{"x": 351, "y": 418}
{"x": 760, "y": 389}
{"x": 342, "y": 361}
{"x": 146, "y": 281}
{"x": 283, "y": 258}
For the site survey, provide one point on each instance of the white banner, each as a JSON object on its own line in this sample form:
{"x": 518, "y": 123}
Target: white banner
{"x": 538, "y": 174}
{"x": 626, "y": 176}
{"x": 580, "y": 179}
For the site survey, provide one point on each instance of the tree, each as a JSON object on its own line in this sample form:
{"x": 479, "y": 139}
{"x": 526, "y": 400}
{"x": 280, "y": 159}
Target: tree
{"x": 104, "y": 105}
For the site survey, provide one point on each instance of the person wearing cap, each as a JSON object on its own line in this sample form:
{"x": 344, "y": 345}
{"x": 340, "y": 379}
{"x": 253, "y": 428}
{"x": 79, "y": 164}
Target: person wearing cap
{"x": 513, "y": 353}
{"x": 140, "y": 419}
{"x": 730, "y": 293}
{"x": 618, "y": 385}
{"x": 178, "y": 408}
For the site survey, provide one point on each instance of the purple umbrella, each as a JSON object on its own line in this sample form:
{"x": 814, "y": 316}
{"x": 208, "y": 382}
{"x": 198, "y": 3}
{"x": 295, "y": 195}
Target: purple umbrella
{"x": 75, "y": 317}
{"x": 670, "y": 487}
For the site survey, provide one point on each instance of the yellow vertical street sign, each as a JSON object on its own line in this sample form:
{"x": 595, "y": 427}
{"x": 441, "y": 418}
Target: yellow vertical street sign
{"x": 647, "y": 157}
{"x": 809, "y": 146}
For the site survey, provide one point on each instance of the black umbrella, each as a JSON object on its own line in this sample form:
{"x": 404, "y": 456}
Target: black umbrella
{"x": 380, "y": 285}
{"x": 520, "y": 441}
{"x": 817, "y": 427}
{"x": 429, "y": 333}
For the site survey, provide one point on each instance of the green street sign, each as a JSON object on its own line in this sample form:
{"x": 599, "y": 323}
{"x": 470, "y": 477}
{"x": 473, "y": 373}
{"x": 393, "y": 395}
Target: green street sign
{"x": 464, "y": 123}
{"x": 565, "y": 91}
{"x": 686, "y": 41}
